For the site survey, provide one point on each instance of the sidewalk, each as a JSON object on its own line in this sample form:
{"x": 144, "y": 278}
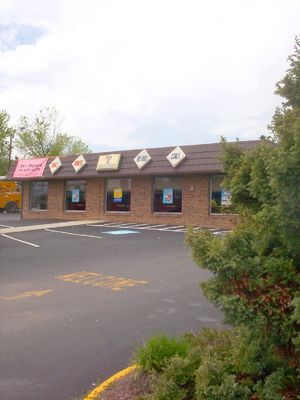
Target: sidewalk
{"x": 28, "y": 228}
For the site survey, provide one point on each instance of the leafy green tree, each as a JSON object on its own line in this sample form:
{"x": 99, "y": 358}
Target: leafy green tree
{"x": 7, "y": 134}
{"x": 256, "y": 268}
{"x": 42, "y": 137}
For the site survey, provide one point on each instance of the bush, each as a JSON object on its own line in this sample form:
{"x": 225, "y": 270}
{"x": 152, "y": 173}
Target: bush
{"x": 157, "y": 351}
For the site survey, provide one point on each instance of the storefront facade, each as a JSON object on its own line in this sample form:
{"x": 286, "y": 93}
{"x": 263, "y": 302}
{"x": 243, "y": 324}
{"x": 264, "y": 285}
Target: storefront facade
{"x": 179, "y": 186}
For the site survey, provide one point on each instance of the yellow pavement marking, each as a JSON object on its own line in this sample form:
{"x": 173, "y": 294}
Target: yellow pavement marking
{"x": 33, "y": 293}
{"x": 100, "y": 389}
{"x": 99, "y": 280}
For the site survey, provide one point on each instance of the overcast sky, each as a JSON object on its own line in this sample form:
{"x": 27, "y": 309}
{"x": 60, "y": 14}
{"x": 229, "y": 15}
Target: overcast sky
{"x": 138, "y": 73}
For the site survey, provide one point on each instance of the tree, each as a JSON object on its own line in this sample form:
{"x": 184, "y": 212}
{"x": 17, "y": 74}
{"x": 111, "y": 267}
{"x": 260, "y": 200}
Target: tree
{"x": 41, "y": 137}
{"x": 7, "y": 134}
{"x": 257, "y": 267}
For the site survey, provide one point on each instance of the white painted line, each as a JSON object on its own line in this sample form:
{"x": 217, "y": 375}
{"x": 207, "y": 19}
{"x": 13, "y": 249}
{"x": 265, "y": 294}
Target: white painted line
{"x": 96, "y": 225}
{"x": 73, "y": 234}
{"x": 30, "y": 228}
{"x": 171, "y": 230}
{"x": 140, "y": 224}
{"x": 137, "y": 226}
{"x": 19, "y": 240}
{"x": 125, "y": 224}
{"x": 175, "y": 227}
{"x": 110, "y": 223}
{"x": 152, "y": 227}
{"x": 116, "y": 225}
{"x": 7, "y": 226}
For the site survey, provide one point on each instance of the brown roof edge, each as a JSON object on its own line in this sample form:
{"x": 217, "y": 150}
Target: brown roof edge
{"x": 204, "y": 158}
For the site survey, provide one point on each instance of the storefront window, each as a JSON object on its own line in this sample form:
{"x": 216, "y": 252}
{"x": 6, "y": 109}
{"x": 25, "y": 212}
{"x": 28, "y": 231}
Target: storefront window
{"x": 118, "y": 194}
{"x": 39, "y": 196}
{"x": 167, "y": 195}
{"x": 220, "y": 199}
{"x": 75, "y": 195}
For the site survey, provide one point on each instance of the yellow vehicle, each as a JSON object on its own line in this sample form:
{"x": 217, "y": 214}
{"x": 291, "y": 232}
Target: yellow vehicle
{"x": 10, "y": 196}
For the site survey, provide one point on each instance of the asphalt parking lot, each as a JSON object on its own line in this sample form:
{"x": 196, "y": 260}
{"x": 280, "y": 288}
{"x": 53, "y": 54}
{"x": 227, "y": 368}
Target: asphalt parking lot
{"x": 75, "y": 305}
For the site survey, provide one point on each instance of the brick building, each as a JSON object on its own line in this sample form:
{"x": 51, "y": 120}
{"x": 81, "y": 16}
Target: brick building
{"x": 165, "y": 185}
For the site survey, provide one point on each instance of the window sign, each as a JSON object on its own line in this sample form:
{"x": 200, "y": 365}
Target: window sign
{"x": 79, "y": 163}
{"x": 167, "y": 196}
{"x": 176, "y": 157}
{"x": 142, "y": 159}
{"x": 220, "y": 197}
{"x": 75, "y": 195}
{"x": 108, "y": 162}
{"x": 55, "y": 165}
{"x": 118, "y": 194}
{"x": 30, "y": 168}
{"x": 225, "y": 197}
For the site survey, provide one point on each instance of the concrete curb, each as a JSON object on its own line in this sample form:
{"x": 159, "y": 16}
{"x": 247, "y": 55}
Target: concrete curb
{"x": 29, "y": 228}
{"x": 100, "y": 389}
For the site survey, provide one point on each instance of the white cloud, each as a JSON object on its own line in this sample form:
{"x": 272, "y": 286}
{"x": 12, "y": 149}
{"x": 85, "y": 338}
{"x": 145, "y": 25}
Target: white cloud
{"x": 145, "y": 73}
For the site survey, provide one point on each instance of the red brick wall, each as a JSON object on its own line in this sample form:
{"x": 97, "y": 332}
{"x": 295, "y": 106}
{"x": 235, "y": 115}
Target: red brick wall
{"x": 195, "y": 204}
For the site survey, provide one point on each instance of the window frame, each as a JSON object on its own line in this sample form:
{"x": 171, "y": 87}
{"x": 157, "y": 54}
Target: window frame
{"x": 210, "y": 197}
{"x": 105, "y": 196}
{"x": 153, "y": 196}
{"x": 31, "y": 208}
{"x": 65, "y": 195}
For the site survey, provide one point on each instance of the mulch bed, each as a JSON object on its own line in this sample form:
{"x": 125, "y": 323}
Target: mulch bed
{"x": 131, "y": 387}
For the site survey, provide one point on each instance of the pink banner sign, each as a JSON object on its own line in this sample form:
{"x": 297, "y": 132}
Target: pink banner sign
{"x": 30, "y": 168}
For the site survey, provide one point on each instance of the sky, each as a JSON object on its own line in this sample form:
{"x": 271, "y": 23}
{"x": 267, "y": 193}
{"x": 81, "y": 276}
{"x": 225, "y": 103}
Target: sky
{"x": 147, "y": 73}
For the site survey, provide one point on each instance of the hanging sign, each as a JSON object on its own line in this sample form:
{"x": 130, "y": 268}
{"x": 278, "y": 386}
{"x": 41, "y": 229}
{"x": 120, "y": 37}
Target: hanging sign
{"x": 55, "y": 165}
{"x": 225, "y": 197}
{"x": 79, "y": 163}
{"x": 118, "y": 194}
{"x": 142, "y": 159}
{"x": 30, "y": 168}
{"x": 108, "y": 162}
{"x": 176, "y": 157}
{"x": 75, "y": 195}
{"x": 168, "y": 196}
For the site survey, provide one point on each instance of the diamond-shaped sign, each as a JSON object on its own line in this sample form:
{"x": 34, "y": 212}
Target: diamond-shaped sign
{"x": 79, "y": 163}
{"x": 176, "y": 157}
{"x": 55, "y": 165}
{"x": 142, "y": 159}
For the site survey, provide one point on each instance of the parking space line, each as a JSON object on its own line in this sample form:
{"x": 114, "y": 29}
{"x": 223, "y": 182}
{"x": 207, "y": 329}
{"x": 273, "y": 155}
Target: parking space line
{"x": 6, "y": 226}
{"x": 19, "y": 240}
{"x": 126, "y": 224}
{"x": 152, "y": 226}
{"x": 155, "y": 227}
{"x": 175, "y": 227}
{"x": 140, "y": 224}
{"x": 107, "y": 223}
{"x": 73, "y": 234}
